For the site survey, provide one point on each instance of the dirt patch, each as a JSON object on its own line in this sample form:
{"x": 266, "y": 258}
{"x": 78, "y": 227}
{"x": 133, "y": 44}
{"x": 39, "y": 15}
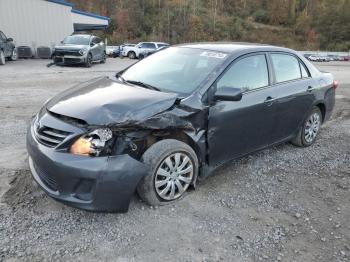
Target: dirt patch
{"x": 21, "y": 189}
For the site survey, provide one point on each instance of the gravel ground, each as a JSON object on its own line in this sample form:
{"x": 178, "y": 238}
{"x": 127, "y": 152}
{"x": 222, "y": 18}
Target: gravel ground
{"x": 280, "y": 204}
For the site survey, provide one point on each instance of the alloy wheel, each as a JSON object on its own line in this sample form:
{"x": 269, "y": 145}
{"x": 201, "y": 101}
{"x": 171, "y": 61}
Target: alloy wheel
{"x": 173, "y": 176}
{"x": 312, "y": 127}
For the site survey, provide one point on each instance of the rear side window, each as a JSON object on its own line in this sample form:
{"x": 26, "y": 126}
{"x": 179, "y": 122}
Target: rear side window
{"x": 247, "y": 73}
{"x": 286, "y": 67}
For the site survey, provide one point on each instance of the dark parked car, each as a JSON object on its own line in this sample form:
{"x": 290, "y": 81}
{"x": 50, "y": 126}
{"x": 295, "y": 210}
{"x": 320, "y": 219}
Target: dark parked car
{"x": 171, "y": 118}
{"x": 80, "y": 49}
{"x": 7, "y": 49}
{"x": 116, "y": 52}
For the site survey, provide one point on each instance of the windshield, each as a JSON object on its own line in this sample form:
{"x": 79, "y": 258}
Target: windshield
{"x": 175, "y": 69}
{"x": 77, "y": 40}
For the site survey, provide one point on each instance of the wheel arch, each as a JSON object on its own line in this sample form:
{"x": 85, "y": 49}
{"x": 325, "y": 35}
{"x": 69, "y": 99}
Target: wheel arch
{"x": 322, "y": 107}
{"x": 179, "y": 135}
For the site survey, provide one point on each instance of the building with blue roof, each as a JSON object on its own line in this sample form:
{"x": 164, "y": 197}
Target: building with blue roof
{"x": 37, "y": 23}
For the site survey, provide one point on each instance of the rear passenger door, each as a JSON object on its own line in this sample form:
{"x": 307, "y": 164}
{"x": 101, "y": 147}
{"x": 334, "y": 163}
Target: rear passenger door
{"x": 293, "y": 93}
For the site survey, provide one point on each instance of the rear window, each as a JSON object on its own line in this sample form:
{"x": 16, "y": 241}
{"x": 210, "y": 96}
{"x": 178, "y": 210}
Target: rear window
{"x": 286, "y": 67}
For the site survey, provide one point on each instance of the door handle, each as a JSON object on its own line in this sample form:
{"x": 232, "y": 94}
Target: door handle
{"x": 269, "y": 100}
{"x": 310, "y": 88}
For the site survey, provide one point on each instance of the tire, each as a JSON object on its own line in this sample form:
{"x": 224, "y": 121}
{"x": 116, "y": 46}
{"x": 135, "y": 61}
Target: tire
{"x": 308, "y": 132}
{"x": 13, "y": 57}
{"x": 88, "y": 62}
{"x": 141, "y": 56}
{"x": 104, "y": 57}
{"x": 2, "y": 58}
{"x": 156, "y": 157}
{"x": 132, "y": 55}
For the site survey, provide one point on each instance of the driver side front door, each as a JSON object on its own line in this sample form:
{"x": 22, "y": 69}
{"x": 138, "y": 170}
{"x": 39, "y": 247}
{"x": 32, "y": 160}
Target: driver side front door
{"x": 236, "y": 128}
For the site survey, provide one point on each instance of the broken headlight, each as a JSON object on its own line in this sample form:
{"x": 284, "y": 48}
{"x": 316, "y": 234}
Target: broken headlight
{"x": 83, "y": 51}
{"x": 93, "y": 143}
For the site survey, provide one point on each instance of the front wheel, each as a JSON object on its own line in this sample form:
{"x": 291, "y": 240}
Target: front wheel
{"x": 13, "y": 57}
{"x": 310, "y": 129}
{"x": 173, "y": 168}
{"x": 88, "y": 62}
{"x": 104, "y": 57}
{"x": 2, "y": 57}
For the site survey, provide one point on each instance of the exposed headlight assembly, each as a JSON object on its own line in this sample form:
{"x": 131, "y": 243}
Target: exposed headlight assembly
{"x": 93, "y": 143}
{"x": 83, "y": 51}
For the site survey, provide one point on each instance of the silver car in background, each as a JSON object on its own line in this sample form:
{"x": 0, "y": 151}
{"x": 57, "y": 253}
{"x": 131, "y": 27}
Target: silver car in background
{"x": 80, "y": 49}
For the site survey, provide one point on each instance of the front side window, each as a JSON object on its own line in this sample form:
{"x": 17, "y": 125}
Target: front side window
{"x": 286, "y": 67}
{"x": 247, "y": 73}
{"x": 149, "y": 46}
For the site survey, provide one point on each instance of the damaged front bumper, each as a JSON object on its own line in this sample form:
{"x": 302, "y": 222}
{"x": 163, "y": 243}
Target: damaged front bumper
{"x": 90, "y": 183}
{"x": 69, "y": 60}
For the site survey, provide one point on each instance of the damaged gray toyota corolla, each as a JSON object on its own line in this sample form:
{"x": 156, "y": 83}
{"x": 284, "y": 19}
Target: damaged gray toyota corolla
{"x": 172, "y": 118}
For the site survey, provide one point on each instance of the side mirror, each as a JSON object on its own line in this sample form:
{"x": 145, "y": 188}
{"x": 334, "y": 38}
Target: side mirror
{"x": 10, "y": 39}
{"x": 92, "y": 44}
{"x": 228, "y": 94}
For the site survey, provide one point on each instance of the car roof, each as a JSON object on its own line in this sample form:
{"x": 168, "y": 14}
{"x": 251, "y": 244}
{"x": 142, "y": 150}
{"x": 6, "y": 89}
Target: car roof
{"x": 232, "y": 47}
{"x": 153, "y": 43}
{"x": 83, "y": 35}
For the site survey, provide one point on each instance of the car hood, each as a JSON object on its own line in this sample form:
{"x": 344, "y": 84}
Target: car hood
{"x": 102, "y": 101}
{"x": 70, "y": 47}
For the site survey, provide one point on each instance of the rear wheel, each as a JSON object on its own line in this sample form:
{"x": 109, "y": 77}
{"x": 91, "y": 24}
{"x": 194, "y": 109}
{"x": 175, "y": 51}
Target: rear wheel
{"x": 173, "y": 167}
{"x": 2, "y": 57}
{"x": 310, "y": 129}
{"x": 132, "y": 55}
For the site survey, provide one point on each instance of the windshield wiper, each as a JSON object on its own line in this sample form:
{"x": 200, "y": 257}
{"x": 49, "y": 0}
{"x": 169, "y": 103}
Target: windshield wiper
{"x": 142, "y": 84}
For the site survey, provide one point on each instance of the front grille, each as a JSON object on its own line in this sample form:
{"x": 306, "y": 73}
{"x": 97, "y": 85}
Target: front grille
{"x": 49, "y": 136}
{"x": 59, "y": 52}
{"x": 50, "y": 182}
{"x": 58, "y": 60}
{"x": 72, "y": 60}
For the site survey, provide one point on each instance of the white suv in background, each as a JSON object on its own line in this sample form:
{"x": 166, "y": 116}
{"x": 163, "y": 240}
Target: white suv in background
{"x": 134, "y": 51}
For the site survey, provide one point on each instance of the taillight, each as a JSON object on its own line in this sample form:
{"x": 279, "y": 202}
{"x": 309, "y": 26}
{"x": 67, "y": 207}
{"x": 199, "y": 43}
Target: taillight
{"x": 335, "y": 84}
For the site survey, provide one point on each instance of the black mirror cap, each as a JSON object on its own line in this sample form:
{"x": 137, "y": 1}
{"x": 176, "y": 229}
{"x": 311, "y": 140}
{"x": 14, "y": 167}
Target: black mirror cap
{"x": 10, "y": 39}
{"x": 228, "y": 94}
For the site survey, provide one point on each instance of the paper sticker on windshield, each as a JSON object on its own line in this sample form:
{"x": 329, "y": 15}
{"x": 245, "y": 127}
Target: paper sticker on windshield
{"x": 214, "y": 54}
